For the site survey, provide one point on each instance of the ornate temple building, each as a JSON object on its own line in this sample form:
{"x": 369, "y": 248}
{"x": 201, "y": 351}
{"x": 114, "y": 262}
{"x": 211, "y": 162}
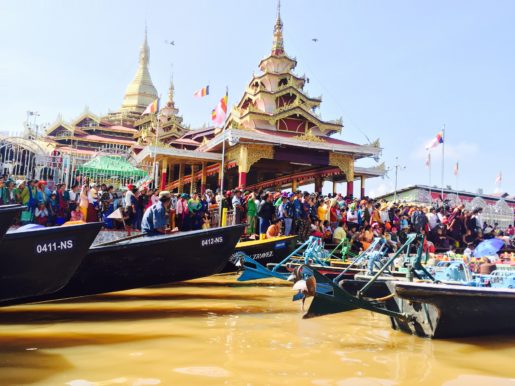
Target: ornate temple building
{"x": 170, "y": 127}
{"x": 67, "y": 145}
{"x": 126, "y": 129}
{"x": 274, "y": 138}
{"x": 89, "y": 134}
{"x": 116, "y": 132}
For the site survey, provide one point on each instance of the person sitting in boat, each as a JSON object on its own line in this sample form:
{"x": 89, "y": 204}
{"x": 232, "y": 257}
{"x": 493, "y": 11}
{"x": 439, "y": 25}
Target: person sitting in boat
{"x": 339, "y": 233}
{"x": 76, "y": 214}
{"x": 486, "y": 267}
{"x": 41, "y": 214}
{"x": 316, "y": 229}
{"x": 206, "y": 220}
{"x": 155, "y": 220}
{"x": 274, "y": 230}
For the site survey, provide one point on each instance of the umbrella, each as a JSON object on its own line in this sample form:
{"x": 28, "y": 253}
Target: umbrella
{"x": 488, "y": 247}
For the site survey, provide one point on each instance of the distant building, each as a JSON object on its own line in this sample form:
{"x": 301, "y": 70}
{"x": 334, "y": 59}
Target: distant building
{"x": 426, "y": 194}
{"x": 496, "y": 207}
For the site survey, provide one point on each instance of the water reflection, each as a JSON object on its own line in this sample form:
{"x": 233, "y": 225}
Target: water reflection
{"x": 207, "y": 332}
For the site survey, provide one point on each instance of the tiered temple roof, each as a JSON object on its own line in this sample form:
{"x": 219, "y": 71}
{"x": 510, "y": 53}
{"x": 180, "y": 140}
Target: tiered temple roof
{"x": 276, "y": 101}
{"x": 89, "y": 133}
{"x": 170, "y": 129}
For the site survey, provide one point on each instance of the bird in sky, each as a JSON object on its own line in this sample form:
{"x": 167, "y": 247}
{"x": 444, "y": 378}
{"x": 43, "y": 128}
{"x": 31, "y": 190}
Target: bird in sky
{"x": 314, "y": 40}
{"x": 171, "y": 42}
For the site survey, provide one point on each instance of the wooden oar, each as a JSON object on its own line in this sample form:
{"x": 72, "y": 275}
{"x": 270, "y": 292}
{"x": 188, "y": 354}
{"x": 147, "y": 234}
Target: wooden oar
{"x": 120, "y": 240}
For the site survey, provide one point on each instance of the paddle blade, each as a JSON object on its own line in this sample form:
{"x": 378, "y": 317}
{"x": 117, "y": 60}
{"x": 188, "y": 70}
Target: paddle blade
{"x": 252, "y": 270}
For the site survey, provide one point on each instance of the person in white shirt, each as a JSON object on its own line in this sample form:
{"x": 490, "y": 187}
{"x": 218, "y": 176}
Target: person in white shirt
{"x": 74, "y": 196}
{"x": 237, "y": 206}
{"x": 352, "y": 214}
{"x": 432, "y": 218}
{"x": 128, "y": 196}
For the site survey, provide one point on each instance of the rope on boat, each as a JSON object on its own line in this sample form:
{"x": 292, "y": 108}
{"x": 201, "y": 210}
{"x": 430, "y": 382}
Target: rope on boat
{"x": 384, "y": 298}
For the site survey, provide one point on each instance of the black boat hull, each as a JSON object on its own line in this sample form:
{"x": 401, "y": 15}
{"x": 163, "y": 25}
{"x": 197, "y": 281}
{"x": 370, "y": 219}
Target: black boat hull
{"x": 42, "y": 261}
{"x": 7, "y": 213}
{"x": 149, "y": 261}
{"x": 450, "y": 311}
{"x": 378, "y": 289}
{"x": 264, "y": 251}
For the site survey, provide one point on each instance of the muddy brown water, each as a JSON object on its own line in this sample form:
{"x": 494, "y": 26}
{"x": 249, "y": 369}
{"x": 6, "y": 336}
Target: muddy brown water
{"x": 216, "y": 331}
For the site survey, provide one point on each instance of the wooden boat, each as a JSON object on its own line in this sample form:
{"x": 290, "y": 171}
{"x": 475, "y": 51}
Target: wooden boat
{"x": 42, "y": 261}
{"x": 150, "y": 260}
{"x": 421, "y": 308}
{"x": 450, "y": 311}
{"x": 7, "y": 213}
{"x": 265, "y": 251}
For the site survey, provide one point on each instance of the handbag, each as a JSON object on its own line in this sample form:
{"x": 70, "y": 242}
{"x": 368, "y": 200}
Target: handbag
{"x": 26, "y": 216}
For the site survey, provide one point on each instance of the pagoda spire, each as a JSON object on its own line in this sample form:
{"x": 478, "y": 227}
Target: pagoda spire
{"x": 141, "y": 91}
{"x": 278, "y": 45}
{"x": 144, "y": 53}
{"x": 171, "y": 91}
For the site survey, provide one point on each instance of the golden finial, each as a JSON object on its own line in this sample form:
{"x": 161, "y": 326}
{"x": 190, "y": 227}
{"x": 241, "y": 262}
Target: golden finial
{"x": 144, "y": 55}
{"x": 278, "y": 45}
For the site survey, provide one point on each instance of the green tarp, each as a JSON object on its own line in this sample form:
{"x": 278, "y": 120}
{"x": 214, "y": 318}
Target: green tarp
{"x": 110, "y": 166}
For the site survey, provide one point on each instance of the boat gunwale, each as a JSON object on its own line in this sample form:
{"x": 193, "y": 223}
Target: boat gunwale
{"x": 50, "y": 230}
{"x": 429, "y": 289}
{"x": 158, "y": 239}
{"x": 253, "y": 243}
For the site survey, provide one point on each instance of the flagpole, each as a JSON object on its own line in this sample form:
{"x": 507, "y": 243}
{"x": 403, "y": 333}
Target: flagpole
{"x": 222, "y": 178}
{"x": 443, "y": 158}
{"x": 223, "y": 166}
{"x": 457, "y": 174}
{"x": 429, "y": 166}
{"x": 155, "y": 148}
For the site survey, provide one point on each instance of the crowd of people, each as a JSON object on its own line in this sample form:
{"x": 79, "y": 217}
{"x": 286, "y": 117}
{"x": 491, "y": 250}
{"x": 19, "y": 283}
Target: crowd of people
{"x": 335, "y": 217}
{"x": 51, "y": 204}
{"x": 332, "y": 217}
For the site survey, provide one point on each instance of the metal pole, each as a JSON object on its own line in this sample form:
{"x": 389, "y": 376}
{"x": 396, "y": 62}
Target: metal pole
{"x": 223, "y": 165}
{"x": 396, "y": 169}
{"x": 222, "y": 177}
{"x": 443, "y": 157}
{"x": 155, "y": 152}
{"x": 457, "y": 175}
{"x": 429, "y": 166}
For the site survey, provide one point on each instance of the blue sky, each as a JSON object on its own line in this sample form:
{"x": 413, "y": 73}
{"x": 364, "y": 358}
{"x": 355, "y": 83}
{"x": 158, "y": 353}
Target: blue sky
{"x": 394, "y": 70}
